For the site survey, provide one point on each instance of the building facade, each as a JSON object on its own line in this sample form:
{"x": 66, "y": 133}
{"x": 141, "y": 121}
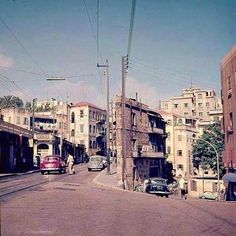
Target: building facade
{"x": 228, "y": 84}
{"x": 194, "y": 102}
{"x": 144, "y": 153}
{"x": 179, "y": 131}
{"x": 87, "y": 126}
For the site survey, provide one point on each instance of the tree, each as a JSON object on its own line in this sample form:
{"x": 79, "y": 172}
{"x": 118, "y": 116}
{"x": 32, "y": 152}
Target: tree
{"x": 28, "y": 106}
{"x": 11, "y": 101}
{"x": 204, "y": 154}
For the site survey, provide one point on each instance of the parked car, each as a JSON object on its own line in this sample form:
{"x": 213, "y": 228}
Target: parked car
{"x": 97, "y": 162}
{"x": 52, "y": 163}
{"x": 156, "y": 186}
{"x": 209, "y": 195}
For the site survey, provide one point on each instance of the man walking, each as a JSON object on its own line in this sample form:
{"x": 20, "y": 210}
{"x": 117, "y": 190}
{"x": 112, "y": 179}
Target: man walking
{"x": 182, "y": 187}
{"x": 70, "y": 163}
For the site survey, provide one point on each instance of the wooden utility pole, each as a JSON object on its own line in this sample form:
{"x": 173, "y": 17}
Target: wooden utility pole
{"x": 107, "y": 118}
{"x": 123, "y": 135}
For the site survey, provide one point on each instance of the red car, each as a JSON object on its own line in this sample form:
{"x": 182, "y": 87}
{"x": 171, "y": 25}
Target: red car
{"x": 52, "y": 163}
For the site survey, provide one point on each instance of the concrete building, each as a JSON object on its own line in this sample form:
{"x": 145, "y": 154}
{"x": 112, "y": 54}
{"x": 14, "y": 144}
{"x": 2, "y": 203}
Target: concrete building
{"x": 228, "y": 83}
{"x": 179, "y": 129}
{"x": 87, "y": 126}
{"x": 194, "y": 102}
{"x": 144, "y": 143}
{"x": 228, "y": 93}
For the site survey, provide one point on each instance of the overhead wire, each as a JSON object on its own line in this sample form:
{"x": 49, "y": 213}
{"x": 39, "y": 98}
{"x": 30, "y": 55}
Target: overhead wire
{"x": 25, "y": 49}
{"x": 6, "y": 79}
{"x": 95, "y": 37}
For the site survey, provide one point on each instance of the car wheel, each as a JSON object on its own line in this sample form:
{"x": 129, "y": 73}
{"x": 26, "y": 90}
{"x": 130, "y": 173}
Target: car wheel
{"x": 89, "y": 169}
{"x": 167, "y": 196}
{"x": 42, "y": 172}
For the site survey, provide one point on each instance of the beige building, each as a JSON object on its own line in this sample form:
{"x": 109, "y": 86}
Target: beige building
{"x": 87, "y": 126}
{"x": 179, "y": 131}
{"x": 195, "y": 102}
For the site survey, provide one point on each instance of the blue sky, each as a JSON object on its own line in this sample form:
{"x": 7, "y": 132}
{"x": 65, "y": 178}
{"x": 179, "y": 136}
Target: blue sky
{"x": 175, "y": 43}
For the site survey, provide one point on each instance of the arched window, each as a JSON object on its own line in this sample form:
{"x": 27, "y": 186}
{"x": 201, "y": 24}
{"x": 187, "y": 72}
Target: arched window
{"x": 168, "y": 149}
{"x": 72, "y": 133}
{"x": 72, "y": 117}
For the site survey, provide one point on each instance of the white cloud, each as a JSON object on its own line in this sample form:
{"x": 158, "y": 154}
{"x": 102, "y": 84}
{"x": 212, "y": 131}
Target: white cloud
{"x": 6, "y": 61}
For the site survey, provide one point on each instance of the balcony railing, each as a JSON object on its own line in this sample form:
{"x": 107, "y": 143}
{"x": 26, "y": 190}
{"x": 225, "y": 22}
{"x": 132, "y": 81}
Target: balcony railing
{"x": 148, "y": 152}
{"x": 155, "y": 130}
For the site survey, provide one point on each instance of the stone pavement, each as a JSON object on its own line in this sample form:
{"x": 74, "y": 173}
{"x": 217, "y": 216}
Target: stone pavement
{"x": 108, "y": 180}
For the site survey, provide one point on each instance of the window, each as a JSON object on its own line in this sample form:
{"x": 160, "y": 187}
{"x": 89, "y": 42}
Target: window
{"x": 134, "y": 120}
{"x": 90, "y": 128}
{"x": 199, "y": 96}
{"x": 72, "y": 133}
{"x": 90, "y": 144}
{"x": 81, "y": 128}
{"x": 94, "y": 144}
{"x": 26, "y": 121}
{"x": 180, "y": 121}
{"x": 168, "y": 150}
{"x": 176, "y": 105}
{"x": 193, "y": 184}
{"x": 229, "y": 85}
{"x": 180, "y": 137}
{"x": 214, "y": 187}
{"x": 231, "y": 119}
{"x": 81, "y": 113}
{"x": 185, "y": 104}
{"x": 207, "y": 104}
{"x": 94, "y": 129}
{"x": 81, "y": 142}
{"x": 179, "y": 153}
{"x": 199, "y": 104}
{"x": 168, "y": 136}
{"x": 72, "y": 117}
{"x": 18, "y": 120}
{"x": 200, "y": 113}
{"x": 185, "y": 113}
{"x": 180, "y": 167}
{"x": 169, "y": 122}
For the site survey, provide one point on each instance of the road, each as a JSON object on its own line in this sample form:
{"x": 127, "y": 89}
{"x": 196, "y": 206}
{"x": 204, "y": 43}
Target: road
{"x": 75, "y": 205}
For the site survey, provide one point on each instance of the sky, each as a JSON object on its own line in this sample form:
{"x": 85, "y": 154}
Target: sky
{"x": 175, "y": 44}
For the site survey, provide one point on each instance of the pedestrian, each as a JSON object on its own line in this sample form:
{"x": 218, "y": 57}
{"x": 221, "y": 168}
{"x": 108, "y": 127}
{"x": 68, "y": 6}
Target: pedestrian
{"x": 70, "y": 163}
{"x": 182, "y": 187}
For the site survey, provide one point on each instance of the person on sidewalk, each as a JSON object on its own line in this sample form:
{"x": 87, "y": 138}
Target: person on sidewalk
{"x": 70, "y": 164}
{"x": 182, "y": 187}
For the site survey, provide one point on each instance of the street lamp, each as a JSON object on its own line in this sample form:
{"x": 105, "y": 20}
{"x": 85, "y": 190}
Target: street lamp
{"x": 217, "y": 163}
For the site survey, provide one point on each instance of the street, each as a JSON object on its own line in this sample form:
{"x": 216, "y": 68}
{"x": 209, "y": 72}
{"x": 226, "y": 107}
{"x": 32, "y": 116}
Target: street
{"x": 75, "y": 205}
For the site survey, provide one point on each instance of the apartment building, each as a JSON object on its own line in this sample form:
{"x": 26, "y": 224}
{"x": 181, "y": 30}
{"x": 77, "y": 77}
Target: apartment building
{"x": 179, "y": 131}
{"x": 87, "y": 126}
{"x": 144, "y": 143}
{"x": 228, "y": 83}
{"x": 194, "y": 102}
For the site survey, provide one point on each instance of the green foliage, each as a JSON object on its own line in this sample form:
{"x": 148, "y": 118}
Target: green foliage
{"x": 204, "y": 154}
{"x": 28, "y": 106}
{"x": 11, "y": 101}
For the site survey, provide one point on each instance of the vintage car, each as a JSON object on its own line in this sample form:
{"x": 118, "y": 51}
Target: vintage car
{"x": 97, "y": 162}
{"x": 157, "y": 186}
{"x": 209, "y": 195}
{"x": 52, "y": 163}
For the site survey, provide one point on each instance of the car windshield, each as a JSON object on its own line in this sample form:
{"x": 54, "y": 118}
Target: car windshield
{"x": 95, "y": 158}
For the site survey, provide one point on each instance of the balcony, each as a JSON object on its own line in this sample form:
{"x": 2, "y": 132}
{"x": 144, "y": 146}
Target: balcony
{"x": 155, "y": 130}
{"x": 147, "y": 152}
{"x": 101, "y": 121}
{"x": 100, "y": 134}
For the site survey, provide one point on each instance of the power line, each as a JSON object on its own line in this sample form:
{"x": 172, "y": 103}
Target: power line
{"x": 22, "y": 45}
{"x": 6, "y": 79}
{"x": 24, "y": 71}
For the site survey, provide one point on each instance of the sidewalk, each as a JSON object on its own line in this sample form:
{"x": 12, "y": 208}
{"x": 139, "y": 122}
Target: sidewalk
{"x": 107, "y": 180}
{"x": 18, "y": 173}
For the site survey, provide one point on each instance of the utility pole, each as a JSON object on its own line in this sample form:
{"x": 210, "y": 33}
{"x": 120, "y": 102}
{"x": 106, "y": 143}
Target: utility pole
{"x": 123, "y": 135}
{"x": 112, "y": 131}
{"x": 33, "y": 125}
{"x": 107, "y": 117}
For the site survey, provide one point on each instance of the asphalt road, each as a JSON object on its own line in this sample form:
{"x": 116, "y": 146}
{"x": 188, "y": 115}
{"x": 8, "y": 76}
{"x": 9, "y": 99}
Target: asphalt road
{"x": 75, "y": 205}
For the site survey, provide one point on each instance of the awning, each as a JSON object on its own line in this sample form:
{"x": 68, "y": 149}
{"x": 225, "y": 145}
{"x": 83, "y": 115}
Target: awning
{"x": 230, "y": 177}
